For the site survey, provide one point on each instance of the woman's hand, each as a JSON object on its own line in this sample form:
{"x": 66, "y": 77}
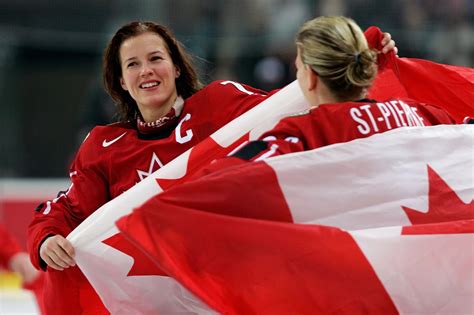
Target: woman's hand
{"x": 20, "y": 263}
{"x": 57, "y": 252}
{"x": 388, "y": 44}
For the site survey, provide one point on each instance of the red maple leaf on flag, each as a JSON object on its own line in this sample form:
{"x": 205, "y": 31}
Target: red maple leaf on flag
{"x": 201, "y": 155}
{"x": 142, "y": 264}
{"x": 447, "y": 213}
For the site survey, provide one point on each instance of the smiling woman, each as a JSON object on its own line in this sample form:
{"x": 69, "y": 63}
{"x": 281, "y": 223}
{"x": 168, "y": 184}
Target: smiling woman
{"x": 141, "y": 53}
{"x": 164, "y": 111}
{"x": 149, "y": 75}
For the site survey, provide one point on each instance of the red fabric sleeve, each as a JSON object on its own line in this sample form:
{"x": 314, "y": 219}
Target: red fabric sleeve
{"x": 228, "y": 100}
{"x": 283, "y": 139}
{"x": 436, "y": 115}
{"x": 87, "y": 192}
{"x": 8, "y": 247}
{"x": 292, "y": 134}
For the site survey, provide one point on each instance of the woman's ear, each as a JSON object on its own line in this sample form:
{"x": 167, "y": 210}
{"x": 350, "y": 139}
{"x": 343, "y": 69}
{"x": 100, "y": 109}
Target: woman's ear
{"x": 312, "y": 79}
{"x": 122, "y": 83}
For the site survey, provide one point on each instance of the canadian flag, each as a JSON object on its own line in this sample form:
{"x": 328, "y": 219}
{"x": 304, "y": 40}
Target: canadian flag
{"x": 382, "y": 225}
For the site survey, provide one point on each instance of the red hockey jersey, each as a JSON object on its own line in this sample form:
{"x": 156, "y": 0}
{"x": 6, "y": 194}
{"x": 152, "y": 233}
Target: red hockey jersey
{"x": 111, "y": 160}
{"x": 340, "y": 122}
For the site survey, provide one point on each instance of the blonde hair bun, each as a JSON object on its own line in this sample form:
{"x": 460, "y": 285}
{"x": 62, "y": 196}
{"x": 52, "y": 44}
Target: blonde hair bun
{"x": 336, "y": 49}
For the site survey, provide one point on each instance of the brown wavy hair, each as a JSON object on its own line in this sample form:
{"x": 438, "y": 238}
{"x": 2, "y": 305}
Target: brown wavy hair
{"x": 186, "y": 84}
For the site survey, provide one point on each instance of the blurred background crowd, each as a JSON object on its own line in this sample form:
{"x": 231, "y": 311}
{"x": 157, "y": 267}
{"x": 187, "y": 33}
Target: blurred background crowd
{"x": 50, "y": 56}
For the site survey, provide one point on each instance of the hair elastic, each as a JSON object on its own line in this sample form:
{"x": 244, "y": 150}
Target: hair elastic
{"x": 357, "y": 58}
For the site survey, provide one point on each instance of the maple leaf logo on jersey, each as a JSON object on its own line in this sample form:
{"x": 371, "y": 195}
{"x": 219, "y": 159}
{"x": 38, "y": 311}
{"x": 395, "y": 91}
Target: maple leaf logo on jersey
{"x": 155, "y": 164}
{"x": 142, "y": 264}
{"x": 444, "y": 206}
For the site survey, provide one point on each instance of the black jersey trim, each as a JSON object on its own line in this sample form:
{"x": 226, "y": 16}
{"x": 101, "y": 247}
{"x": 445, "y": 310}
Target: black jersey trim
{"x": 155, "y": 136}
{"x": 251, "y": 150}
{"x": 39, "y": 207}
{"x": 162, "y": 134}
{"x": 469, "y": 121}
{"x": 366, "y": 100}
